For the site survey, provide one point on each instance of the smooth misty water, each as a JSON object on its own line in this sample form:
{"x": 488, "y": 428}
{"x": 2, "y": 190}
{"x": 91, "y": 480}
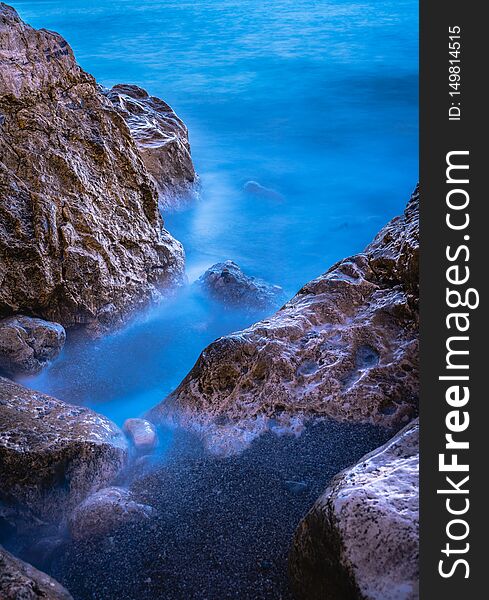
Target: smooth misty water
{"x": 316, "y": 100}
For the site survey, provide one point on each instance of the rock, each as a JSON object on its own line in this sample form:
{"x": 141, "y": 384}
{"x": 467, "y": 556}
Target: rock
{"x": 256, "y": 189}
{"x": 227, "y": 283}
{"x": 21, "y": 581}
{"x": 162, "y": 140}
{"x": 81, "y": 236}
{"x": 52, "y": 455}
{"x": 142, "y": 434}
{"x": 27, "y": 344}
{"x": 105, "y": 511}
{"x": 360, "y": 539}
{"x": 345, "y": 347}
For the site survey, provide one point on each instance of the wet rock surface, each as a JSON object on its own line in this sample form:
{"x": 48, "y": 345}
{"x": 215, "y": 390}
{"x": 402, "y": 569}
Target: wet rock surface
{"x": 142, "y": 434}
{"x": 227, "y": 283}
{"x": 162, "y": 140}
{"x": 346, "y": 346}
{"x": 52, "y": 455}
{"x": 105, "y": 511}
{"x": 256, "y": 189}
{"x": 27, "y": 344}
{"x": 21, "y": 581}
{"x": 360, "y": 539}
{"x": 222, "y": 527}
{"x": 81, "y": 237}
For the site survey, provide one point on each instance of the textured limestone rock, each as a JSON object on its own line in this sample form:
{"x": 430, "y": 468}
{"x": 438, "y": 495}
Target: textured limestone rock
{"x": 227, "y": 283}
{"x": 27, "y": 344}
{"x": 162, "y": 140}
{"x": 142, "y": 434}
{"x": 105, "y": 511}
{"x": 21, "y": 581}
{"x": 81, "y": 237}
{"x": 346, "y": 346}
{"x": 360, "y": 539}
{"x": 52, "y": 454}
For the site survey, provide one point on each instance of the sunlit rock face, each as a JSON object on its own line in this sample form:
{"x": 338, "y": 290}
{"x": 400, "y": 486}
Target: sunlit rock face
{"x": 27, "y": 344}
{"x": 106, "y": 510}
{"x": 227, "y": 283}
{"x": 162, "y": 140}
{"x": 21, "y": 581}
{"x": 345, "y": 347}
{"x": 81, "y": 236}
{"x": 52, "y": 455}
{"x": 360, "y": 539}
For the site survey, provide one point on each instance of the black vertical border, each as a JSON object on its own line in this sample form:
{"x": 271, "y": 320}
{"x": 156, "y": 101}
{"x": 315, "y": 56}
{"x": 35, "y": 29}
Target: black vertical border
{"x": 438, "y": 136}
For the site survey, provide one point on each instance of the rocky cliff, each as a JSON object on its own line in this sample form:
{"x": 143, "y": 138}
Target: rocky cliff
{"x": 81, "y": 237}
{"x": 346, "y": 346}
{"x": 162, "y": 140}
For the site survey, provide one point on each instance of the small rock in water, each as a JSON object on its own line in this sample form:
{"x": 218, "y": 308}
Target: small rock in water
{"x": 104, "y": 511}
{"x": 255, "y": 188}
{"x": 28, "y": 344}
{"x": 142, "y": 433}
{"x": 227, "y": 283}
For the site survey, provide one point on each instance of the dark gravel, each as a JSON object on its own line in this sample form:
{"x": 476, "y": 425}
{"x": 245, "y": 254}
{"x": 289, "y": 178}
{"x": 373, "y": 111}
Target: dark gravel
{"x": 224, "y": 525}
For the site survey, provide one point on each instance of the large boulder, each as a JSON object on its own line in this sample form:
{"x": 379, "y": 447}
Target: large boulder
{"x": 360, "y": 539}
{"x": 105, "y": 511}
{"x": 81, "y": 236}
{"x": 226, "y": 283}
{"x": 162, "y": 140}
{"x": 52, "y": 454}
{"x": 21, "y": 581}
{"x": 345, "y": 347}
{"x": 27, "y": 344}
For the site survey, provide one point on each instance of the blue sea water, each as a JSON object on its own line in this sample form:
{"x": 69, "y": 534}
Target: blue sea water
{"x": 314, "y": 99}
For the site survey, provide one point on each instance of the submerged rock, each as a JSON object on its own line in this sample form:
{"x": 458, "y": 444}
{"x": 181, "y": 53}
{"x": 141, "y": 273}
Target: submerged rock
{"x": 162, "y": 140}
{"x": 52, "y": 454}
{"x": 256, "y": 189}
{"x": 360, "y": 539}
{"x": 142, "y": 434}
{"x": 21, "y": 581}
{"x": 27, "y": 344}
{"x": 346, "y": 346}
{"x": 227, "y": 283}
{"x": 105, "y": 511}
{"x": 81, "y": 236}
